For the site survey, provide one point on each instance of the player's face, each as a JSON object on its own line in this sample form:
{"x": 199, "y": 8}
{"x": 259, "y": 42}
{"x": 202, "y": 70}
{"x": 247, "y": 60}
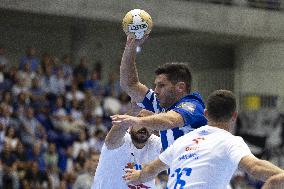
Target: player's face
{"x": 165, "y": 90}
{"x": 139, "y": 134}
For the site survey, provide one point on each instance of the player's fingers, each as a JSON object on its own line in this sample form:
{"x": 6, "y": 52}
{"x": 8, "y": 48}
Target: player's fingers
{"x": 117, "y": 122}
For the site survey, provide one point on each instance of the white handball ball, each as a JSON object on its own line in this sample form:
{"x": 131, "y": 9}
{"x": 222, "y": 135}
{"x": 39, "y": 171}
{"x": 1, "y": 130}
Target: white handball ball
{"x": 138, "y": 22}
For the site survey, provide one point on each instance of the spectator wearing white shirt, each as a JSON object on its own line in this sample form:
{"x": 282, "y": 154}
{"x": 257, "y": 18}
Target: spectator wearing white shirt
{"x": 81, "y": 144}
{"x": 57, "y": 83}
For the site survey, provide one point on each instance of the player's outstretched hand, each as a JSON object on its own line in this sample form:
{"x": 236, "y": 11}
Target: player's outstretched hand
{"x": 125, "y": 120}
{"x": 132, "y": 176}
{"x": 274, "y": 182}
{"x": 133, "y": 43}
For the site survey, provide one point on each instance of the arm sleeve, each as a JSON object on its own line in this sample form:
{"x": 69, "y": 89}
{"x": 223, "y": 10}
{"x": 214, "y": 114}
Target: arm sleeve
{"x": 237, "y": 150}
{"x": 192, "y": 114}
{"x": 150, "y": 102}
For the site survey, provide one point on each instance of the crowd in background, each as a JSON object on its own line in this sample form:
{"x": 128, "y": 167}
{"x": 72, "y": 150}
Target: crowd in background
{"x": 54, "y": 116}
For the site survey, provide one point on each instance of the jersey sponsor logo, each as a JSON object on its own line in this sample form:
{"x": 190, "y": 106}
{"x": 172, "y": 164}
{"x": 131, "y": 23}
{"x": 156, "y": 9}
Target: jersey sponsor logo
{"x": 198, "y": 139}
{"x": 188, "y": 156}
{"x": 191, "y": 148}
{"x": 203, "y": 132}
{"x": 188, "y": 106}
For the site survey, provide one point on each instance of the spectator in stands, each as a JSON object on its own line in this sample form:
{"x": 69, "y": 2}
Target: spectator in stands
{"x": 67, "y": 69}
{"x": 91, "y": 102}
{"x": 36, "y": 178}
{"x": 21, "y": 103}
{"x": 6, "y": 97}
{"x": 112, "y": 88}
{"x": 37, "y": 94}
{"x": 51, "y": 156}
{"x": 75, "y": 94}
{"x": 21, "y": 157}
{"x": 57, "y": 82}
{"x": 81, "y": 144}
{"x": 125, "y": 103}
{"x": 81, "y": 72}
{"x": 26, "y": 76}
{"x": 46, "y": 79}
{"x": 8, "y": 176}
{"x": 66, "y": 161}
{"x": 37, "y": 154}
{"x": 94, "y": 83}
{"x": 97, "y": 140}
{"x": 5, "y": 115}
{"x": 30, "y": 58}
{"x": 80, "y": 160}
{"x": 54, "y": 177}
{"x": 20, "y": 86}
{"x": 111, "y": 105}
{"x": 10, "y": 138}
{"x": 3, "y": 65}
{"x": 85, "y": 179}
{"x": 32, "y": 130}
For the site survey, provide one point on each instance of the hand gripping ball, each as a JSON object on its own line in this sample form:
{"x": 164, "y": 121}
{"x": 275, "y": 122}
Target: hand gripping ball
{"x": 138, "y": 22}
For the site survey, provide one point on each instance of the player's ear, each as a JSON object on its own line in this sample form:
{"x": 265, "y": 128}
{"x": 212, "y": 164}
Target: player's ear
{"x": 234, "y": 116}
{"x": 206, "y": 113}
{"x": 180, "y": 86}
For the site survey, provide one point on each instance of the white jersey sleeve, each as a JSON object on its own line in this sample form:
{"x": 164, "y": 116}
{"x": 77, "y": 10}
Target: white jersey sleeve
{"x": 237, "y": 150}
{"x": 167, "y": 156}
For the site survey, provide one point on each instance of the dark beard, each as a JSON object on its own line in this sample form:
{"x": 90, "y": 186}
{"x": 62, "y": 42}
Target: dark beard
{"x": 139, "y": 140}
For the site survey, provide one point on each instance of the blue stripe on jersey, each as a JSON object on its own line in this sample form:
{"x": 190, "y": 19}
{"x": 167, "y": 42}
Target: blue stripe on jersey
{"x": 191, "y": 108}
{"x": 163, "y": 136}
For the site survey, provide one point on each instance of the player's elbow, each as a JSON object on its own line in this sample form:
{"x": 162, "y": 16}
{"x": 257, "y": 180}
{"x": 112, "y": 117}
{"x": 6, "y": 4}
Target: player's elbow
{"x": 256, "y": 167}
{"x": 127, "y": 86}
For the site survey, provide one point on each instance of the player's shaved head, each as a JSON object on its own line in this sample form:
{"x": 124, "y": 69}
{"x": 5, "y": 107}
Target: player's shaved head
{"x": 221, "y": 105}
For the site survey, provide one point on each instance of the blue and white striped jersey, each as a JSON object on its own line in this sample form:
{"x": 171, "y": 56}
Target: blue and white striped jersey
{"x": 190, "y": 107}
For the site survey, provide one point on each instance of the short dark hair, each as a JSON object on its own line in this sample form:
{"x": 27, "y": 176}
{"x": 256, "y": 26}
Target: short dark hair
{"x": 221, "y": 105}
{"x": 176, "y": 72}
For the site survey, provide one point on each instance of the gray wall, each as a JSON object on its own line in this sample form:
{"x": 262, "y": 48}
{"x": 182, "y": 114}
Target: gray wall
{"x": 104, "y": 41}
{"x": 47, "y": 34}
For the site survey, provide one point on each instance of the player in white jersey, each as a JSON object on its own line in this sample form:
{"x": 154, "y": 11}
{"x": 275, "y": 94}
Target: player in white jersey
{"x": 207, "y": 157}
{"x": 124, "y": 150}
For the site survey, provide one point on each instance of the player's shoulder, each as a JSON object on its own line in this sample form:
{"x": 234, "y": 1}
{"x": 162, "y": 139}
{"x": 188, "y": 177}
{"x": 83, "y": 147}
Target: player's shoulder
{"x": 192, "y": 101}
{"x": 194, "y": 98}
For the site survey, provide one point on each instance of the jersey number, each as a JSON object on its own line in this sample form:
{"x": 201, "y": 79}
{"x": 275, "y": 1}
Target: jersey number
{"x": 178, "y": 173}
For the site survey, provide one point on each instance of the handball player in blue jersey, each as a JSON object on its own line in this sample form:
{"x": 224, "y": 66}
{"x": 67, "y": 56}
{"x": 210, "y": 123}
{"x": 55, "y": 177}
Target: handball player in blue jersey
{"x": 178, "y": 110}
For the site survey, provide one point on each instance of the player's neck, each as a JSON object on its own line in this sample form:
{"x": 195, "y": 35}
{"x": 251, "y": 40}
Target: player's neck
{"x": 220, "y": 125}
{"x": 138, "y": 145}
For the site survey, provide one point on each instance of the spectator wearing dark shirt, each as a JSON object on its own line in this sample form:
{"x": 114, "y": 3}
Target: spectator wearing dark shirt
{"x": 30, "y": 58}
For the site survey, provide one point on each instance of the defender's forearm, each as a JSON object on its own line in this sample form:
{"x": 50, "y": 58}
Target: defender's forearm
{"x": 162, "y": 121}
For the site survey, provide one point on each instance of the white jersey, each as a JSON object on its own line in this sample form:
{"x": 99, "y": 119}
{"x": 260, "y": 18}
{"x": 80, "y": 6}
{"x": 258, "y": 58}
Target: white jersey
{"x": 205, "y": 158}
{"x": 113, "y": 162}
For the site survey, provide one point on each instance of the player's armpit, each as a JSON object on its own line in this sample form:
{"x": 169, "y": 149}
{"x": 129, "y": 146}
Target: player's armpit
{"x": 260, "y": 169}
{"x": 136, "y": 91}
